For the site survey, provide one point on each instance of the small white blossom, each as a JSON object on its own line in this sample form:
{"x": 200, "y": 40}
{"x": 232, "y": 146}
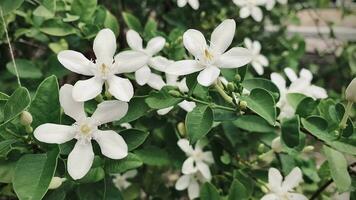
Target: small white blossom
{"x": 198, "y": 160}
{"x": 301, "y": 84}
{"x": 192, "y": 183}
{"x": 280, "y": 189}
{"x": 208, "y": 59}
{"x": 258, "y": 60}
{"x": 193, "y": 3}
{"x": 120, "y": 180}
{"x": 85, "y": 129}
{"x": 271, "y": 3}
{"x": 250, "y": 8}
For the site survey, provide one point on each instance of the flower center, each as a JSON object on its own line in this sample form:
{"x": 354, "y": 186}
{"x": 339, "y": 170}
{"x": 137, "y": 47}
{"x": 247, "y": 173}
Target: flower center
{"x": 85, "y": 129}
{"x": 208, "y": 56}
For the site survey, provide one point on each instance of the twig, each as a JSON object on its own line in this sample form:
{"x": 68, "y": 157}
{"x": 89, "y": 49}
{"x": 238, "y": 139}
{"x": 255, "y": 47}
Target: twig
{"x": 321, "y": 189}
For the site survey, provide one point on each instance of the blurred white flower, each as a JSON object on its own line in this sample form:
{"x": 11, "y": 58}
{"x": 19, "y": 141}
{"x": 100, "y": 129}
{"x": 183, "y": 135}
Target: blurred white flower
{"x": 351, "y": 91}
{"x": 250, "y": 8}
{"x": 156, "y": 82}
{"x": 277, "y": 145}
{"x": 85, "y": 129}
{"x": 258, "y": 60}
{"x": 208, "y": 59}
{"x": 103, "y": 69}
{"x": 193, "y": 3}
{"x": 301, "y": 84}
{"x": 192, "y": 183}
{"x": 283, "y": 189}
{"x": 154, "y": 46}
{"x": 271, "y": 3}
{"x": 198, "y": 160}
{"x": 120, "y": 180}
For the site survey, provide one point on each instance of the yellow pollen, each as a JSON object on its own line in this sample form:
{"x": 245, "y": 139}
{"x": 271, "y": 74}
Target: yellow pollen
{"x": 208, "y": 55}
{"x": 85, "y": 129}
{"x": 103, "y": 68}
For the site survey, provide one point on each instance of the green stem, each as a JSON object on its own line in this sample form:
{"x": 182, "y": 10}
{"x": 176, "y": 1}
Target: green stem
{"x": 209, "y": 104}
{"x": 346, "y": 115}
{"x": 223, "y": 94}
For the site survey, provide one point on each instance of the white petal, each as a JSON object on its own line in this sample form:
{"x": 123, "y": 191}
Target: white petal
{"x": 184, "y": 67}
{"x": 234, "y": 58}
{"x": 279, "y": 81}
{"x": 256, "y": 14}
{"x": 293, "y": 179}
{"x": 245, "y": 12}
{"x": 274, "y": 179}
{"x": 143, "y": 75}
{"x": 256, "y": 47}
{"x": 155, "y": 45}
{"x": 292, "y": 76}
{"x": 104, "y": 45}
{"x": 188, "y": 166}
{"x": 172, "y": 80}
{"x": 183, "y": 182}
{"x": 263, "y": 60}
{"x": 54, "y": 133}
{"x": 112, "y": 145}
{"x": 239, "y": 2}
{"x": 159, "y": 63}
{"x": 72, "y": 108}
{"x": 194, "y": 42}
{"x": 208, "y": 76}
{"x": 282, "y": 1}
{"x": 270, "y": 197}
{"x": 193, "y": 189}
{"x": 134, "y": 40}
{"x": 306, "y": 74}
{"x": 109, "y": 111}
{"x": 204, "y": 170}
{"x": 295, "y": 196}
{"x": 208, "y": 157}
{"x": 187, "y": 105}
{"x": 194, "y": 4}
{"x": 318, "y": 92}
{"x": 185, "y": 146}
{"x": 131, "y": 173}
{"x": 248, "y": 43}
{"x": 87, "y": 89}
{"x": 182, "y": 3}
{"x": 270, "y": 4}
{"x": 121, "y": 88}
{"x": 80, "y": 160}
{"x": 222, "y": 36}
{"x": 156, "y": 82}
{"x": 182, "y": 85}
{"x": 258, "y": 67}
{"x": 164, "y": 111}
{"x": 130, "y": 61}
{"x": 75, "y": 62}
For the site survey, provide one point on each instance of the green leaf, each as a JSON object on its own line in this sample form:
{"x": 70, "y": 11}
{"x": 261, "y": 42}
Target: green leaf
{"x": 162, "y": 99}
{"x": 253, "y": 123}
{"x": 294, "y": 99}
{"x": 153, "y": 156}
{"x": 237, "y": 191}
{"x": 290, "y": 131}
{"x": 94, "y": 175}
{"x": 132, "y": 161}
{"x": 7, "y": 169}
{"x": 137, "y": 109}
{"x": 18, "y": 102}
{"x": 57, "y": 28}
{"x": 306, "y": 107}
{"x": 5, "y": 147}
{"x": 45, "y": 106}
{"x": 84, "y": 9}
{"x": 199, "y": 122}
{"x": 3, "y": 97}
{"x": 132, "y": 22}
{"x": 25, "y": 68}
{"x": 338, "y": 168}
{"x": 134, "y": 137}
{"x": 33, "y": 173}
{"x": 268, "y": 85}
{"x": 111, "y": 23}
{"x": 209, "y": 192}
{"x": 262, "y": 103}
{"x": 8, "y": 6}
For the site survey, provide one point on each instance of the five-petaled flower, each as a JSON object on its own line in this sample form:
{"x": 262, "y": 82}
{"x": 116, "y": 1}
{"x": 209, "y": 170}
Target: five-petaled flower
{"x": 193, "y": 3}
{"x": 250, "y": 8}
{"x": 258, "y": 60}
{"x": 192, "y": 183}
{"x": 208, "y": 59}
{"x": 280, "y": 189}
{"x": 84, "y": 130}
{"x": 120, "y": 180}
{"x": 103, "y": 69}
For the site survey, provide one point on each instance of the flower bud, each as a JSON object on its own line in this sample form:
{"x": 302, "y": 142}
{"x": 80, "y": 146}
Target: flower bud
{"x": 261, "y": 148}
{"x": 26, "y": 118}
{"x": 56, "y": 182}
{"x": 174, "y": 93}
{"x": 237, "y": 78}
{"x": 230, "y": 87}
{"x": 308, "y": 149}
{"x": 243, "y": 105}
{"x": 351, "y": 91}
{"x": 277, "y": 145}
{"x": 264, "y": 189}
{"x": 28, "y": 129}
{"x": 181, "y": 129}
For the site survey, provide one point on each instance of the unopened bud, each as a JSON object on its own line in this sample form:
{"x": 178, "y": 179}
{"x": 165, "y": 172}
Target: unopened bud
{"x": 26, "y": 118}
{"x": 174, "y": 93}
{"x": 277, "y": 145}
{"x": 181, "y": 129}
{"x": 56, "y": 182}
{"x": 308, "y": 149}
{"x": 237, "y": 78}
{"x": 230, "y": 87}
{"x": 261, "y": 148}
{"x": 351, "y": 91}
{"x": 28, "y": 129}
{"x": 264, "y": 189}
{"x": 108, "y": 95}
{"x": 243, "y": 105}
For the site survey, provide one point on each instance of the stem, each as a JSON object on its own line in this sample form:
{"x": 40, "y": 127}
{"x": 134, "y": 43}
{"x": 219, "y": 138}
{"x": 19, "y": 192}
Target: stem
{"x": 10, "y": 47}
{"x": 222, "y": 93}
{"x": 346, "y": 115}
{"x": 321, "y": 189}
{"x": 209, "y": 104}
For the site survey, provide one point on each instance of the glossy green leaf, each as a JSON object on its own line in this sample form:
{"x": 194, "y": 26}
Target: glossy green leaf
{"x": 7, "y": 168}
{"x": 10, "y": 5}
{"x": 198, "y": 122}
{"x": 137, "y": 109}
{"x": 268, "y": 85}
{"x": 290, "y": 131}
{"x": 253, "y": 123}
{"x": 57, "y": 28}
{"x": 162, "y": 99}
{"x": 132, "y": 161}
{"x": 111, "y": 23}
{"x": 237, "y": 191}
{"x": 5, "y": 147}
{"x": 209, "y": 192}
{"x": 84, "y": 9}
{"x": 18, "y": 102}
{"x": 132, "y": 22}
{"x": 154, "y": 156}
{"x": 294, "y": 99}
{"x": 306, "y": 107}
{"x": 134, "y": 137}
{"x": 25, "y": 68}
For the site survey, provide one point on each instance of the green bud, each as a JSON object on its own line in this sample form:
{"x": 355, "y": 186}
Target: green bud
{"x": 26, "y": 118}
{"x": 230, "y": 87}
{"x": 261, "y": 148}
{"x": 308, "y": 149}
{"x": 174, "y": 93}
{"x": 28, "y": 129}
{"x": 237, "y": 78}
{"x": 181, "y": 129}
{"x": 108, "y": 95}
{"x": 243, "y": 105}
{"x": 350, "y": 92}
{"x": 99, "y": 98}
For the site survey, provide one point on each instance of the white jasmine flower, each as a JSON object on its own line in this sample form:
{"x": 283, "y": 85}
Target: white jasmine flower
{"x": 198, "y": 160}
{"x": 301, "y": 84}
{"x": 154, "y": 46}
{"x": 193, "y": 3}
{"x": 192, "y": 183}
{"x": 120, "y": 180}
{"x": 156, "y": 82}
{"x": 271, "y": 3}
{"x": 351, "y": 91}
{"x": 258, "y": 60}
{"x": 280, "y": 189}
{"x": 208, "y": 59}
{"x": 85, "y": 129}
{"x": 250, "y": 8}
{"x": 103, "y": 69}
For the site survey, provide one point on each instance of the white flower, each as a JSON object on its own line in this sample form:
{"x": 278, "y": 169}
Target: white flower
{"x": 154, "y": 46}
{"x": 191, "y": 182}
{"x": 271, "y": 3}
{"x": 156, "y": 82}
{"x": 120, "y": 180}
{"x": 351, "y": 91}
{"x": 198, "y": 160}
{"x": 283, "y": 189}
{"x": 85, "y": 129}
{"x": 258, "y": 60}
{"x": 193, "y": 3}
{"x": 208, "y": 59}
{"x": 250, "y": 8}
{"x": 103, "y": 69}
{"x": 301, "y": 84}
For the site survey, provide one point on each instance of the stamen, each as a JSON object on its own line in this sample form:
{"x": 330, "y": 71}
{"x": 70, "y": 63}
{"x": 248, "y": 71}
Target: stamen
{"x": 208, "y": 55}
{"x": 85, "y": 129}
